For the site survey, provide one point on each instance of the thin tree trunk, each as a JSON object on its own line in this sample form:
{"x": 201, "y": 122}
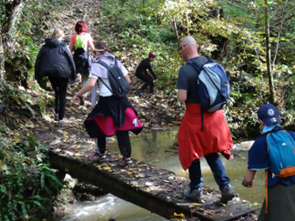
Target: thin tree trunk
{"x": 2, "y": 67}
{"x": 176, "y": 32}
{"x": 268, "y": 54}
{"x": 8, "y": 27}
{"x": 186, "y": 14}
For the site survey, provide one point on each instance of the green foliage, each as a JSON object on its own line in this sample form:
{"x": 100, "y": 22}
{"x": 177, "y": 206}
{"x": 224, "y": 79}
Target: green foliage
{"x": 27, "y": 184}
{"x": 136, "y": 32}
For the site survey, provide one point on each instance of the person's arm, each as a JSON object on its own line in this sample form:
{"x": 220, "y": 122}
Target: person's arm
{"x": 249, "y": 178}
{"x": 182, "y": 85}
{"x": 127, "y": 79}
{"x": 87, "y": 87}
{"x": 71, "y": 47}
{"x": 38, "y": 64}
{"x": 182, "y": 95}
{"x": 149, "y": 67}
{"x": 72, "y": 63}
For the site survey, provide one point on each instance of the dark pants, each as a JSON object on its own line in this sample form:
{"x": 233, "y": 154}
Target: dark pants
{"x": 59, "y": 85}
{"x": 217, "y": 169}
{"x": 148, "y": 79}
{"x": 123, "y": 141}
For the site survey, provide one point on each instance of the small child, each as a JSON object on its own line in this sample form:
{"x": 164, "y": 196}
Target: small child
{"x": 144, "y": 72}
{"x": 280, "y": 192}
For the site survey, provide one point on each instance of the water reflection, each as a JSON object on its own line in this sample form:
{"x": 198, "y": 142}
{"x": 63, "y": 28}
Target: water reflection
{"x": 152, "y": 148}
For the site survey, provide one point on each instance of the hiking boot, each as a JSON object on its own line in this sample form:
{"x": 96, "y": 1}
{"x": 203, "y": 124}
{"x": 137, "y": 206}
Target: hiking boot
{"x": 125, "y": 161}
{"x": 140, "y": 92}
{"x": 82, "y": 100}
{"x": 194, "y": 194}
{"x": 61, "y": 123}
{"x": 227, "y": 193}
{"x": 100, "y": 156}
{"x": 152, "y": 90}
{"x": 56, "y": 117}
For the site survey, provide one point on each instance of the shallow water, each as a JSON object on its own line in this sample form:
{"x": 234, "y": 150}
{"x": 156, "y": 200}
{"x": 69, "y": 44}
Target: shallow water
{"x": 152, "y": 148}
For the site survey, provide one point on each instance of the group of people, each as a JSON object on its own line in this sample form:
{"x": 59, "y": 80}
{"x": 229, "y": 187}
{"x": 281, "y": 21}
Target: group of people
{"x": 207, "y": 133}
{"x": 201, "y": 134}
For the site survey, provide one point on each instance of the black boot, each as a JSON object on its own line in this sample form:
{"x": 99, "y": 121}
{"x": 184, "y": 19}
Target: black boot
{"x": 152, "y": 90}
{"x": 140, "y": 92}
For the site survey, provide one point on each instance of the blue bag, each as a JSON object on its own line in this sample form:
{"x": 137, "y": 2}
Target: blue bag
{"x": 213, "y": 85}
{"x": 281, "y": 148}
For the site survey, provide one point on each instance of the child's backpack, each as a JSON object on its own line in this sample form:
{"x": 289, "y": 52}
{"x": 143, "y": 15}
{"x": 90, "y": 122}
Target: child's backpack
{"x": 281, "y": 148}
{"x": 213, "y": 85}
{"x": 118, "y": 83}
{"x": 81, "y": 42}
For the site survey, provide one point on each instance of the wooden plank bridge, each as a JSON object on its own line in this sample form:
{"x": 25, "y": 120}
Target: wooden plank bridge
{"x": 155, "y": 189}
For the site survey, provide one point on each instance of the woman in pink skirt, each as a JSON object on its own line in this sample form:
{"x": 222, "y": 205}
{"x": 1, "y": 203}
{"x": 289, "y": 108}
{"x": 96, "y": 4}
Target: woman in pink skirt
{"x": 111, "y": 115}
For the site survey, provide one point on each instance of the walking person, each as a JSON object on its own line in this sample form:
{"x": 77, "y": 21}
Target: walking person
{"x": 200, "y": 133}
{"x": 145, "y": 72}
{"x": 55, "y": 61}
{"x": 80, "y": 43}
{"x": 273, "y": 157}
{"x": 112, "y": 114}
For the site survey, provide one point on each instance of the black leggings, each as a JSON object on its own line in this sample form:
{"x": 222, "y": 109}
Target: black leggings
{"x": 59, "y": 85}
{"x": 123, "y": 142}
{"x": 149, "y": 81}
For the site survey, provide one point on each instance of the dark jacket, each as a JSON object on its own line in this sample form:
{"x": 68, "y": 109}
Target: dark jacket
{"x": 55, "y": 60}
{"x": 143, "y": 66}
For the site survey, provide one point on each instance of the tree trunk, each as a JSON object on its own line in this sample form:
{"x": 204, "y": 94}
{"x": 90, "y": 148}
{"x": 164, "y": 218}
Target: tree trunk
{"x": 176, "y": 32}
{"x": 268, "y": 54}
{"x": 7, "y": 29}
{"x": 15, "y": 12}
{"x": 2, "y": 70}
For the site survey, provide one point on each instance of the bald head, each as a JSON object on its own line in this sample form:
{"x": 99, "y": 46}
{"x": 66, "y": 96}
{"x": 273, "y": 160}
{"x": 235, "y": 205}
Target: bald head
{"x": 188, "y": 40}
{"x": 189, "y": 48}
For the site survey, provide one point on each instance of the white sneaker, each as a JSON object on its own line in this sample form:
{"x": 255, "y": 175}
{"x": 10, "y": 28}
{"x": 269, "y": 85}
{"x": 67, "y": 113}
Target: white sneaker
{"x": 61, "y": 123}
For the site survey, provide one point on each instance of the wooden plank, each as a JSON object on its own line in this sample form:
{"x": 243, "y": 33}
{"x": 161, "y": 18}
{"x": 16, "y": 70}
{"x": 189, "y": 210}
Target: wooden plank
{"x": 155, "y": 189}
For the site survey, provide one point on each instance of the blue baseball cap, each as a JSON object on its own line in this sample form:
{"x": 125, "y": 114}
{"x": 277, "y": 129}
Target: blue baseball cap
{"x": 269, "y": 115}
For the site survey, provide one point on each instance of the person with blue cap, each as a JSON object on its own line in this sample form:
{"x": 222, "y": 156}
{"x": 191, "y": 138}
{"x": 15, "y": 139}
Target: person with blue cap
{"x": 273, "y": 147}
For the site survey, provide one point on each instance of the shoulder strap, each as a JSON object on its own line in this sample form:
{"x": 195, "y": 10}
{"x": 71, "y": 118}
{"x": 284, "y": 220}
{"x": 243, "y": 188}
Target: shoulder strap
{"x": 105, "y": 84}
{"x": 103, "y": 64}
{"x": 108, "y": 68}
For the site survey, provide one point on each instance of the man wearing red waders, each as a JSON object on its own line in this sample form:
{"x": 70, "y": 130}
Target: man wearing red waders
{"x": 192, "y": 140}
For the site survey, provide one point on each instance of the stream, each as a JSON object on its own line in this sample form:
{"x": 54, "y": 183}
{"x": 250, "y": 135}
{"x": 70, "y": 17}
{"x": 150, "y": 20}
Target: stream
{"x": 152, "y": 148}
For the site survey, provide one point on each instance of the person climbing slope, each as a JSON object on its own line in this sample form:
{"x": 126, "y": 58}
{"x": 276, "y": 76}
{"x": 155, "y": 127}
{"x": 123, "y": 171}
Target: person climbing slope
{"x": 55, "y": 61}
{"x": 80, "y": 43}
{"x": 144, "y": 72}
{"x": 113, "y": 112}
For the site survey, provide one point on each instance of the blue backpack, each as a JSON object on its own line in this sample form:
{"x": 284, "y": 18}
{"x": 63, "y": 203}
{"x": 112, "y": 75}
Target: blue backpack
{"x": 213, "y": 85}
{"x": 281, "y": 148}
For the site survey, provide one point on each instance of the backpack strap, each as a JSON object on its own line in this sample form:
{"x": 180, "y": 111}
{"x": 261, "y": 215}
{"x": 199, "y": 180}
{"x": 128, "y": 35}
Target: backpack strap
{"x": 199, "y": 68}
{"x": 266, "y": 191}
{"x": 105, "y": 85}
{"x": 103, "y": 64}
{"x": 108, "y": 68}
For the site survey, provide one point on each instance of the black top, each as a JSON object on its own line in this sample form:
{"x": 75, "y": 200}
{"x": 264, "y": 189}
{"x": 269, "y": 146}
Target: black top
{"x": 187, "y": 80}
{"x": 55, "y": 60}
{"x": 145, "y": 64}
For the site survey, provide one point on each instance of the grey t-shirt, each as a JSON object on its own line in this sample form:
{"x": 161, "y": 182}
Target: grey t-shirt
{"x": 187, "y": 80}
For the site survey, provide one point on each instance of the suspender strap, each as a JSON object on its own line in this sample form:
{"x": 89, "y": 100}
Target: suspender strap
{"x": 202, "y": 120}
{"x": 266, "y": 191}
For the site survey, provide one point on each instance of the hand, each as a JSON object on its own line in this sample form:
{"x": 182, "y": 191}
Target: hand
{"x": 247, "y": 184}
{"x": 156, "y": 80}
{"x": 75, "y": 98}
